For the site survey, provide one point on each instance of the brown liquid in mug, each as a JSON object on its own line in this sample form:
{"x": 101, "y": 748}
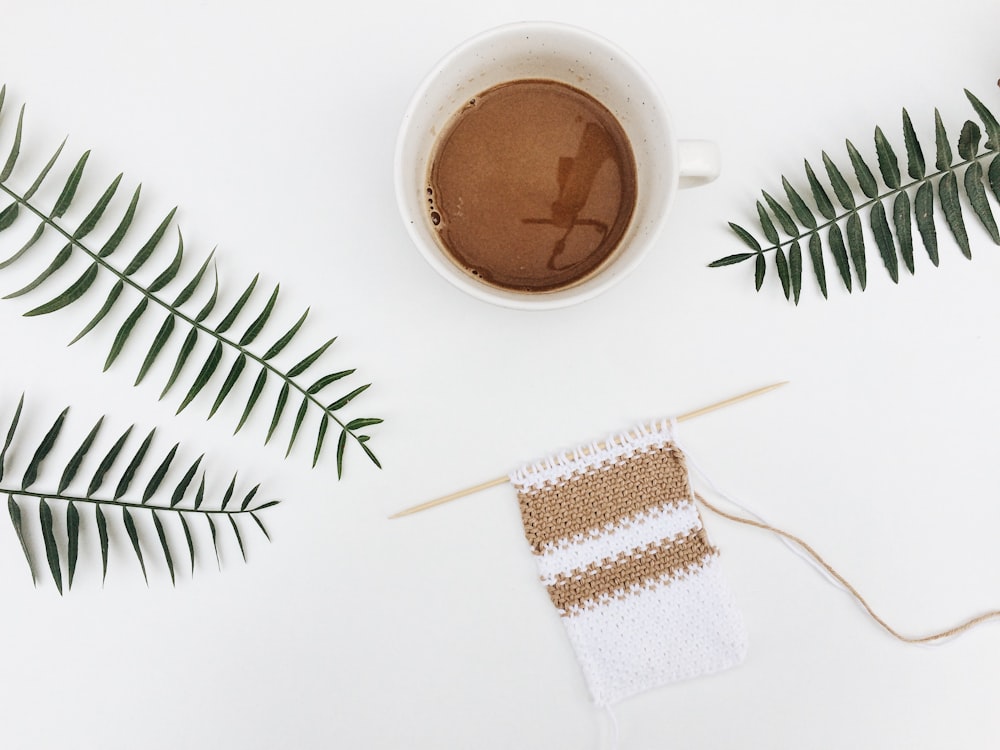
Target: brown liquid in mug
{"x": 532, "y": 186}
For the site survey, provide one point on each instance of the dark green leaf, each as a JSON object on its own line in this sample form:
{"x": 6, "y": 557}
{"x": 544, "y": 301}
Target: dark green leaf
{"x": 182, "y": 356}
{"x": 147, "y": 249}
{"x": 170, "y": 272}
{"x": 819, "y": 195}
{"x": 125, "y": 331}
{"x": 210, "y": 305}
{"x": 188, "y": 538}
{"x": 113, "y": 295}
{"x": 306, "y": 363}
{"x": 133, "y": 536}
{"x": 819, "y": 267}
{"x": 989, "y": 122}
{"x": 760, "y": 268}
{"x": 952, "y": 207}
{"x": 58, "y": 262}
{"x": 102, "y": 532}
{"x": 883, "y": 240}
{"x": 199, "y": 496}
{"x": 914, "y": 154}
{"x": 9, "y": 215}
{"x": 342, "y": 402}
{"x": 106, "y": 463}
{"x": 72, "y": 542}
{"x": 182, "y": 486}
{"x": 923, "y": 212}
{"x": 51, "y": 548}
{"x": 856, "y": 243}
{"x": 15, "y": 149}
{"x": 840, "y": 186}
{"x": 324, "y": 381}
{"x": 730, "y": 260}
{"x": 25, "y": 247}
{"x": 781, "y": 263}
{"x": 42, "y": 175}
{"x": 229, "y": 493}
{"x": 234, "y": 375}
{"x": 320, "y": 436}
{"x": 368, "y": 451}
{"x": 968, "y": 140}
{"x": 341, "y": 446}
{"x": 10, "y": 432}
{"x": 133, "y": 466}
{"x": 748, "y": 238}
{"x": 904, "y": 228}
{"x": 283, "y": 341}
{"x": 795, "y": 270}
{"x": 161, "y": 535}
{"x": 74, "y": 463}
{"x": 943, "y": 161}
{"x": 802, "y": 212}
{"x": 159, "y": 341}
{"x": 865, "y": 177}
{"x": 43, "y": 450}
{"x": 119, "y": 234}
{"x": 766, "y": 224}
{"x": 239, "y": 539}
{"x": 357, "y": 424}
{"x": 887, "y": 163}
{"x": 261, "y": 525}
{"x": 980, "y": 203}
{"x": 299, "y": 416}
{"x": 230, "y": 318}
{"x": 781, "y": 215}
{"x": 279, "y": 407}
{"x": 157, "y": 479}
{"x": 76, "y": 290}
{"x": 256, "y": 327}
{"x": 189, "y": 290}
{"x": 249, "y": 498}
{"x": 69, "y": 189}
{"x": 15, "y": 519}
{"x": 88, "y": 224}
{"x": 215, "y": 541}
{"x": 206, "y": 372}
{"x": 258, "y": 386}
{"x": 994, "y": 177}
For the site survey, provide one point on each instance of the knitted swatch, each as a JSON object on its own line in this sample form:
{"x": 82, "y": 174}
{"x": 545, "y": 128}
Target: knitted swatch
{"x": 621, "y": 548}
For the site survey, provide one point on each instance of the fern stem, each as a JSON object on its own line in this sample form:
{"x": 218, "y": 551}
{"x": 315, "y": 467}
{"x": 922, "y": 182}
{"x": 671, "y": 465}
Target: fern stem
{"x": 901, "y": 189}
{"x": 125, "y": 504}
{"x": 176, "y": 311}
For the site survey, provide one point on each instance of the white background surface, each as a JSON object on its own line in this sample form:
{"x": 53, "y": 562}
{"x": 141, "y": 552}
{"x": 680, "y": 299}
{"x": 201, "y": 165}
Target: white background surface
{"x": 272, "y": 126}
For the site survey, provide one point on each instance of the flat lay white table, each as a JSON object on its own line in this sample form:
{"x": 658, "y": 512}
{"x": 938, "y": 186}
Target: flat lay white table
{"x": 272, "y": 127}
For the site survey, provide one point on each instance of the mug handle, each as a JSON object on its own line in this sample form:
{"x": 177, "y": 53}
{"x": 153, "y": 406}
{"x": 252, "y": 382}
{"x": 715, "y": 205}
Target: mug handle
{"x": 699, "y": 162}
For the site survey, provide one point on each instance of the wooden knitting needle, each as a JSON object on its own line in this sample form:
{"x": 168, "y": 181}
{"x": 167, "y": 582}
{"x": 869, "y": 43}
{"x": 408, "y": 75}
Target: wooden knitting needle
{"x": 501, "y": 480}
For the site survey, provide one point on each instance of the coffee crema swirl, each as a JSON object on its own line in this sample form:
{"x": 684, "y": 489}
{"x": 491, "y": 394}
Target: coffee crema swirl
{"x": 532, "y": 186}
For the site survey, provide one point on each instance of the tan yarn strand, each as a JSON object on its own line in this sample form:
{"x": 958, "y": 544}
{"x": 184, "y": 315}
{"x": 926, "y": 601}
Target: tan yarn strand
{"x": 968, "y": 625}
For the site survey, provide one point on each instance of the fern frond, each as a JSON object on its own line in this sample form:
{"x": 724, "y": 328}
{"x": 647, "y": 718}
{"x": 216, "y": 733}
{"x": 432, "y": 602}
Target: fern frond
{"x": 957, "y": 183}
{"x": 254, "y": 370}
{"x": 63, "y": 516}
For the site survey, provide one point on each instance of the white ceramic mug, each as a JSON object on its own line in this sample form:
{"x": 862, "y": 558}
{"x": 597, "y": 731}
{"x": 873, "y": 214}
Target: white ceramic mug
{"x": 589, "y": 63}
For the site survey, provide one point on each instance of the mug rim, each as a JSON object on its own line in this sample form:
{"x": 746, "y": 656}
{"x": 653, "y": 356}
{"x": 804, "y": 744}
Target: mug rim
{"x": 606, "y": 277}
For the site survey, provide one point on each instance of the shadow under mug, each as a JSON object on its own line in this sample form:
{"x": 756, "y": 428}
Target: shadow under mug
{"x": 584, "y": 61}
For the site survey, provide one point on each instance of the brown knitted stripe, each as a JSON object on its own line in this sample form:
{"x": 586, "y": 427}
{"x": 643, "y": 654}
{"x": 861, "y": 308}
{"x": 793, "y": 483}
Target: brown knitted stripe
{"x": 648, "y": 567}
{"x": 586, "y": 503}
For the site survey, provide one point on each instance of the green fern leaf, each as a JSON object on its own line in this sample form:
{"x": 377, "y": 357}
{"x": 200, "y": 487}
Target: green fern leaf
{"x": 125, "y": 331}
{"x": 9, "y": 215}
{"x": 299, "y": 417}
{"x": 170, "y": 272}
{"x": 760, "y": 269}
{"x": 279, "y": 407}
{"x": 75, "y": 290}
{"x": 26, "y": 246}
{"x": 326, "y": 380}
{"x": 944, "y": 155}
{"x": 102, "y": 469}
{"x": 43, "y": 174}
{"x": 865, "y": 177}
{"x": 765, "y": 224}
{"x": 993, "y": 174}
{"x": 206, "y": 372}
{"x": 133, "y": 466}
{"x": 883, "y": 240}
{"x": 799, "y": 207}
{"x": 15, "y": 519}
{"x": 234, "y": 374}
{"x": 133, "y": 535}
{"x": 840, "y": 187}
{"x": 43, "y": 450}
{"x": 161, "y": 471}
{"x": 915, "y": 165}
{"x": 230, "y": 318}
{"x": 952, "y": 207}
{"x": 281, "y": 343}
{"x": 91, "y": 220}
{"x": 888, "y": 164}
{"x": 819, "y": 267}
{"x": 968, "y": 140}
{"x": 781, "y": 264}
{"x": 182, "y": 357}
{"x": 161, "y": 535}
{"x": 10, "y": 434}
{"x": 784, "y": 219}
{"x": 102, "y": 532}
{"x": 904, "y": 229}
{"x": 51, "y": 547}
{"x": 72, "y": 542}
{"x": 77, "y": 459}
{"x": 310, "y": 360}
{"x": 192, "y": 286}
{"x": 159, "y": 341}
{"x": 123, "y": 226}
{"x": 856, "y": 243}
{"x": 182, "y": 486}
{"x": 923, "y": 211}
{"x": 989, "y": 122}
{"x": 109, "y": 303}
{"x": 839, "y": 251}
{"x": 255, "y": 392}
{"x": 324, "y": 425}
{"x": 146, "y": 251}
{"x": 189, "y": 539}
{"x": 795, "y": 270}
{"x": 58, "y": 262}
{"x": 69, "y": 189}
{"x": 15, "y": 149}
{"x": 258, "y": 325}
{"x": 819, "y": 195}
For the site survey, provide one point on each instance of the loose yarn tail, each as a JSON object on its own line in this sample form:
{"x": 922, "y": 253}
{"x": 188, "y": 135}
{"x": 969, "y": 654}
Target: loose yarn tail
{"x": 805, "y": 550}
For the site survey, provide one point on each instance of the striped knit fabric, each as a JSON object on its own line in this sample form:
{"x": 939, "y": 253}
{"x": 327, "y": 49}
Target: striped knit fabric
{"x": 621, "y": 548}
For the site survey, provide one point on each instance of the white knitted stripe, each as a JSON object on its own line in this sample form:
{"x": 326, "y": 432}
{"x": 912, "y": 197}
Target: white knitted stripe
{"x": 656, "y": 525}
{"x": 562, "y": 467}
{"x": 652, "y": 637}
